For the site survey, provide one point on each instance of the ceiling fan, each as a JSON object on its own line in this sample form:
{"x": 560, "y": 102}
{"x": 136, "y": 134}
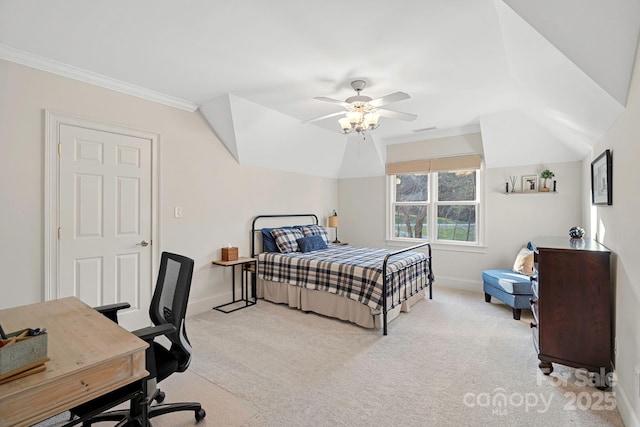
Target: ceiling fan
{"x": 362, "y": 112}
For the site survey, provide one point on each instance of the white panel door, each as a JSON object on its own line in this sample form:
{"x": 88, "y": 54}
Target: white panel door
{"x": 105, "y": 220}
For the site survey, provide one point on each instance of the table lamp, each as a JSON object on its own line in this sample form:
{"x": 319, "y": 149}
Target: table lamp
{"x": 333, "y": 222}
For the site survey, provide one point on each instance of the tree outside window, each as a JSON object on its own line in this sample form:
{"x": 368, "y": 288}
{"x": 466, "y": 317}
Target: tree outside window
{"x": 412, "y": 195}
{"x": 457, "y": 217}
{"x": 454, "y": 202}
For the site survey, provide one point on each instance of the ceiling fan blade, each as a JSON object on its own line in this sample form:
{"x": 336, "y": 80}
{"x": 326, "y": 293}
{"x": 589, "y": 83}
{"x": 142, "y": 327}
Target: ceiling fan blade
{"x": 331, "y": 100}
{"x": 397, "y": 115}
{"x": 393, "y": 97}
{"x": 339, "y": 113}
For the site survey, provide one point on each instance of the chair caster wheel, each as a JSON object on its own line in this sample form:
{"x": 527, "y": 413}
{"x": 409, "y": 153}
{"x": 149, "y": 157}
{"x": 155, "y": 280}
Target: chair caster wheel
{"x": 159, "y": 398}
{"x": 200, "y": 414}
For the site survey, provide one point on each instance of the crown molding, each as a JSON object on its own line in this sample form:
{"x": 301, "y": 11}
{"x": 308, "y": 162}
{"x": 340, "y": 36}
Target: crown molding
{"x": 65, "y": 70}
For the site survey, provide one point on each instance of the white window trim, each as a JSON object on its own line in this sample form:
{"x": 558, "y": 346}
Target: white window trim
{"x": 432, "y": 225}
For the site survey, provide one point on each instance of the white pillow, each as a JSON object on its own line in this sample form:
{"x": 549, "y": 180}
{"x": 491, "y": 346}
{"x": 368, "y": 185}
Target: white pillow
{"x": 524, "y": 262}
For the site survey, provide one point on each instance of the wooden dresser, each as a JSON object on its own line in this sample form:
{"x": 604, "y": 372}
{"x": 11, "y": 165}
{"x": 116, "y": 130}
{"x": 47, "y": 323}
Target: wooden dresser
{"x": 572, "y": 304}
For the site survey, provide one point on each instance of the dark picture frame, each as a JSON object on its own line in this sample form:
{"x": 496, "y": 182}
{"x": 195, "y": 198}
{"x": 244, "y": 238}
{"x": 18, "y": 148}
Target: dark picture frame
{"x": 601, "y": 179}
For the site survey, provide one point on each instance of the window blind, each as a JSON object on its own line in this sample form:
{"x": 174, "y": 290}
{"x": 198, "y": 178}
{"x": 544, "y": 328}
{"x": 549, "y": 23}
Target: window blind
{"x": 432, "y": 165}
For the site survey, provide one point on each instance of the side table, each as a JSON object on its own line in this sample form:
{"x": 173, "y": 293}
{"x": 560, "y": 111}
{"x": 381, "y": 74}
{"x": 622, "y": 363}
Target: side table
{"x": 247, "y": 266}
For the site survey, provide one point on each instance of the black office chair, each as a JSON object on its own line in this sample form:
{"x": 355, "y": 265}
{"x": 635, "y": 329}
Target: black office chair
{"x": 167, "y": 312}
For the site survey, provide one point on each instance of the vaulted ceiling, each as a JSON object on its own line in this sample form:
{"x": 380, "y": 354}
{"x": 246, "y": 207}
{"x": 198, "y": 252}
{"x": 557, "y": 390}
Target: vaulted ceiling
{"x": 542, "y": 81}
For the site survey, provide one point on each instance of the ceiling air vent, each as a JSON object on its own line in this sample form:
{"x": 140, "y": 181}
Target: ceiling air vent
{"x": 425, "y": 129}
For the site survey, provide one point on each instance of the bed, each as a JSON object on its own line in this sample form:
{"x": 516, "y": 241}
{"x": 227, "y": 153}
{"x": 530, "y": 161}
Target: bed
{"x": 297, "y": 265}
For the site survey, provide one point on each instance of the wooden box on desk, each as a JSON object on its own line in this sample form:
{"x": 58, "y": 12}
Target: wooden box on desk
{"x": 24, "y": 354}
{"x": 230, "y": 254}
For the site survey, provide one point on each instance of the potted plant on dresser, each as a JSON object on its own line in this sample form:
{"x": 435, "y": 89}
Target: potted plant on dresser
{"x": 546, "y": 174}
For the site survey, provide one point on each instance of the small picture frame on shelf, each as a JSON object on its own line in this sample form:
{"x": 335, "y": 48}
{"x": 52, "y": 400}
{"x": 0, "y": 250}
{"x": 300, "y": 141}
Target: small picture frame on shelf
{"x": 529, "y": 183}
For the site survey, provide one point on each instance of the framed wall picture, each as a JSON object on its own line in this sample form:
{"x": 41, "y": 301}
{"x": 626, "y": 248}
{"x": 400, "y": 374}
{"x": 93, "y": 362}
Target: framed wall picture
{"x": 529, "y": 183}
{"x": 601, "y": 174}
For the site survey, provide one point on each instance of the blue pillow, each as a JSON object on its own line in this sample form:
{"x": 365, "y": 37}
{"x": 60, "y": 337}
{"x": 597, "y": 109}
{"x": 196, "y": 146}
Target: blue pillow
{"x": 311, "y": 243}
{"x": 315, "y": 230}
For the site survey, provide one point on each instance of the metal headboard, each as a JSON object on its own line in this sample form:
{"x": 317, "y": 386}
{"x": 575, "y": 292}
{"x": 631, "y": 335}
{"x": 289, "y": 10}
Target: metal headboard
{"x": 255, "y": 230}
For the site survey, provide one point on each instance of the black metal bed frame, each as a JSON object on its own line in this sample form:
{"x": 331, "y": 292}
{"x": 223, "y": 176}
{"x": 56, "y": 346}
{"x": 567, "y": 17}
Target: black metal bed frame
{"x": 417, "y": 287}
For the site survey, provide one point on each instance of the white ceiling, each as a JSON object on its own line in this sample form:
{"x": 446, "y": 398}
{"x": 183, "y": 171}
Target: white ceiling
{"x": 552, "y": 74}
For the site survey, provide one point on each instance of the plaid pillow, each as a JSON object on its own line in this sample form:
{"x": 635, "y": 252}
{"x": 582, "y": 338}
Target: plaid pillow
{"x": 268, "y": 242}
{"x": 287, "y": 239}
{"x": 315, "y": 230}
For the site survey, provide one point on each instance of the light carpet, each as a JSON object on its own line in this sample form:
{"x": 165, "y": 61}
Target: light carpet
{"x": 452, "y": 361}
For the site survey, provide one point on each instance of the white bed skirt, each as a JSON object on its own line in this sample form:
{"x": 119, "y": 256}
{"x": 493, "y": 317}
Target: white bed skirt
{"x": 331, "y": 305}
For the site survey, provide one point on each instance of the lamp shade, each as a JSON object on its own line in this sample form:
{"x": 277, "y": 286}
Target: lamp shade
{"x": 354, "y": 117}
{"x": 333, "y": 221}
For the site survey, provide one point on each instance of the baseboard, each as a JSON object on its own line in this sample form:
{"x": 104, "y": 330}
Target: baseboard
{"x": 625, "y": 408}
{"x": 459, "y": 284}
{"x": 206, "y": 304}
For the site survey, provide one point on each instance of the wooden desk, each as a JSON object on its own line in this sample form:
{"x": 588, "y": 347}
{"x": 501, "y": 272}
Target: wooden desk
{"x": 89, "y": 356}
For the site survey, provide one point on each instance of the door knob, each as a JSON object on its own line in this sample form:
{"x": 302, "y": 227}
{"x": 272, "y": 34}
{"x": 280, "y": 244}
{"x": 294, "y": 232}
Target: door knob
{"x": 144, "y": 243}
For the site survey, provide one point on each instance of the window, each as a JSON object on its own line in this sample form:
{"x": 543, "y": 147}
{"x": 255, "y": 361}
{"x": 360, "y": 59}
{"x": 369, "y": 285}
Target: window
{"x": 457, "y": 205}
{"x": 438, "y": 206}
{"x": 411, "y": 205}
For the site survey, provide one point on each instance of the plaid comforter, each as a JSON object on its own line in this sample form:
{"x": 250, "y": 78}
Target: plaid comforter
{"x": 348, "y": 271}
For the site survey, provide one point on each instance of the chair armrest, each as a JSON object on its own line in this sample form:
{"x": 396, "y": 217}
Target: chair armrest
{"x": 149, "y": 333}
{"x": 111, "y": 310}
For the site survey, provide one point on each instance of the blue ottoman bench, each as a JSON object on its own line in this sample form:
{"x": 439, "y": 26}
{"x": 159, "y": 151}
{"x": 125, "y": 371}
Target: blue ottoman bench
{"x": 511, "y": 288}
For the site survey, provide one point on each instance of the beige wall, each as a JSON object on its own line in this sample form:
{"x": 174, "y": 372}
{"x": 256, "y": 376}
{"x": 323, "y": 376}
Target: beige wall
{"x": 219, "y": 197}
{"x": 451, "y": 146}
{"x": 617, "y": 228}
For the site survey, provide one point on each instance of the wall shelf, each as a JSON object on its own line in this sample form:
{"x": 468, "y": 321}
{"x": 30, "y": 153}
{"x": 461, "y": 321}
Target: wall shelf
{"x": 531, "y": 193}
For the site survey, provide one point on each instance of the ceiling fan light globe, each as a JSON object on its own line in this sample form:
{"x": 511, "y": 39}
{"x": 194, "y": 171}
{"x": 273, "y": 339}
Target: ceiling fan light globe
{"x": 371, "y": 119}
{"x": 345, "y": 125}
{"x": 354, "y": 117}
